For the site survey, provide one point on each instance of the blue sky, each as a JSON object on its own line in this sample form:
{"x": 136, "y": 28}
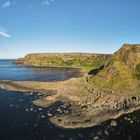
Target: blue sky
{"x": 98, "y": 26}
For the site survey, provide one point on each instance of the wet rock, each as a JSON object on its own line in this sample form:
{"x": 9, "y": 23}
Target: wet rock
{"x": 42, "y": 116}
{"x": 27, "y": 109}
{"x": 127, "y": 119}
{"x": 106, "y": 132}
{"x": 31, "y": 94}
{"x": 66, "y": 112}
{"x": 49, "y": 114}
{"x": 64, "y": 106}
{"x": 40, "y": 109}
{"x": 113, "y": 123}
{"x": 59, "y": 110}
{"x": 31, "y": 109}
{"x": 96, "y": 138}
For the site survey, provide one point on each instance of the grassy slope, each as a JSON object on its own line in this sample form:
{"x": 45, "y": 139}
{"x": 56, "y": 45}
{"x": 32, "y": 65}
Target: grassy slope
{"x": 84, "y": 61}
{"x": 119, "y": 72}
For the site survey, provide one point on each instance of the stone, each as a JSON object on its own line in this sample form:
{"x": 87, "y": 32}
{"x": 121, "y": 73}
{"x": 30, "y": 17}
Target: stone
{"x": 31, "y": 109}
{"x": 59, "y": 110}
{"x": 106, "y": 133}
{"x": 113, "y": 123}
{"x": 42, "y": 116}
{"x": 96, "y": 138}
{"x": 49, "y": 114}
{"x": 27, "y": 109}
{"x": 40, "y": 109}
{"x": 31, "y": 94}
{"x": 127, "y": 119}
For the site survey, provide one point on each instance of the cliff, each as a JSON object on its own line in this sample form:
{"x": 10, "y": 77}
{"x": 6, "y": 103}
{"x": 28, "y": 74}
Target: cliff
{"x": 82, "y": 60}
{"x": 121, "y": 71}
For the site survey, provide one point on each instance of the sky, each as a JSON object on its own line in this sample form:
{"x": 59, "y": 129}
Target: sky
{"x": 94, "y": 26}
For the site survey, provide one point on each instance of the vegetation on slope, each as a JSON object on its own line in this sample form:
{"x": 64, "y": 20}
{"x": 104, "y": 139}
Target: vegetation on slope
{"x": 137, "y": 70}
{"x": 82, "y": 60}
{"x": 120, "y": 70}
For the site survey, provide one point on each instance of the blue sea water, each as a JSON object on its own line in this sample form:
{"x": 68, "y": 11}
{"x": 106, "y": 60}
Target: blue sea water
{"x": 10, "y": 71}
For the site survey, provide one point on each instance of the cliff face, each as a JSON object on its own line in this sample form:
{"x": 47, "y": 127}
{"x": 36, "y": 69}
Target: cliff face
{"x": 85, "y": 60}
{"x": 121, "y": 71}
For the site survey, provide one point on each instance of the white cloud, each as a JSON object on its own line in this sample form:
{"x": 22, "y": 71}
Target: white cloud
{"x": 6, "y": 4}
{"x": 4, "y": 33}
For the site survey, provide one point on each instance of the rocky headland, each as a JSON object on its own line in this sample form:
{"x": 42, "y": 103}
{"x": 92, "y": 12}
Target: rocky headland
{"x": 110, "y": 89}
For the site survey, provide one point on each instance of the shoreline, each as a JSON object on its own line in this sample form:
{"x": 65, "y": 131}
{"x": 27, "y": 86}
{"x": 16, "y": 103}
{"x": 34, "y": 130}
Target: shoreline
{"x": 90, "y": 107}
{"x": 39, "y": 66}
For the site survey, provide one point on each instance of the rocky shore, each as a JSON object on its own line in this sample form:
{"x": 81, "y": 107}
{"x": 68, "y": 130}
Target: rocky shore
{"x": 96, "y": 108}
{"x": 17, "y": 86}
{"x": 89, "y": 106}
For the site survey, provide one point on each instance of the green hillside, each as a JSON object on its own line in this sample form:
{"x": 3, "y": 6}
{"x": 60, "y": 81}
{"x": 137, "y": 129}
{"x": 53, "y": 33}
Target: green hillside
{"x": 121, "y": 71}
{"x": 86, "y": 61}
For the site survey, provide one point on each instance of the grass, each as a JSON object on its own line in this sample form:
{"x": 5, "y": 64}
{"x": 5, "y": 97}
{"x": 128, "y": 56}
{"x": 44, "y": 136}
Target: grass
{"x": 137, "y": 71}
{"x": 86, "y": 62}
{"x": 115, "y": 76}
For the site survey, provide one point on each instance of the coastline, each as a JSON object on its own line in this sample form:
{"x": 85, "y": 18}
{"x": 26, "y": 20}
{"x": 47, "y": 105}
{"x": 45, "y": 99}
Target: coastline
{"x": 90, "y": 107}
